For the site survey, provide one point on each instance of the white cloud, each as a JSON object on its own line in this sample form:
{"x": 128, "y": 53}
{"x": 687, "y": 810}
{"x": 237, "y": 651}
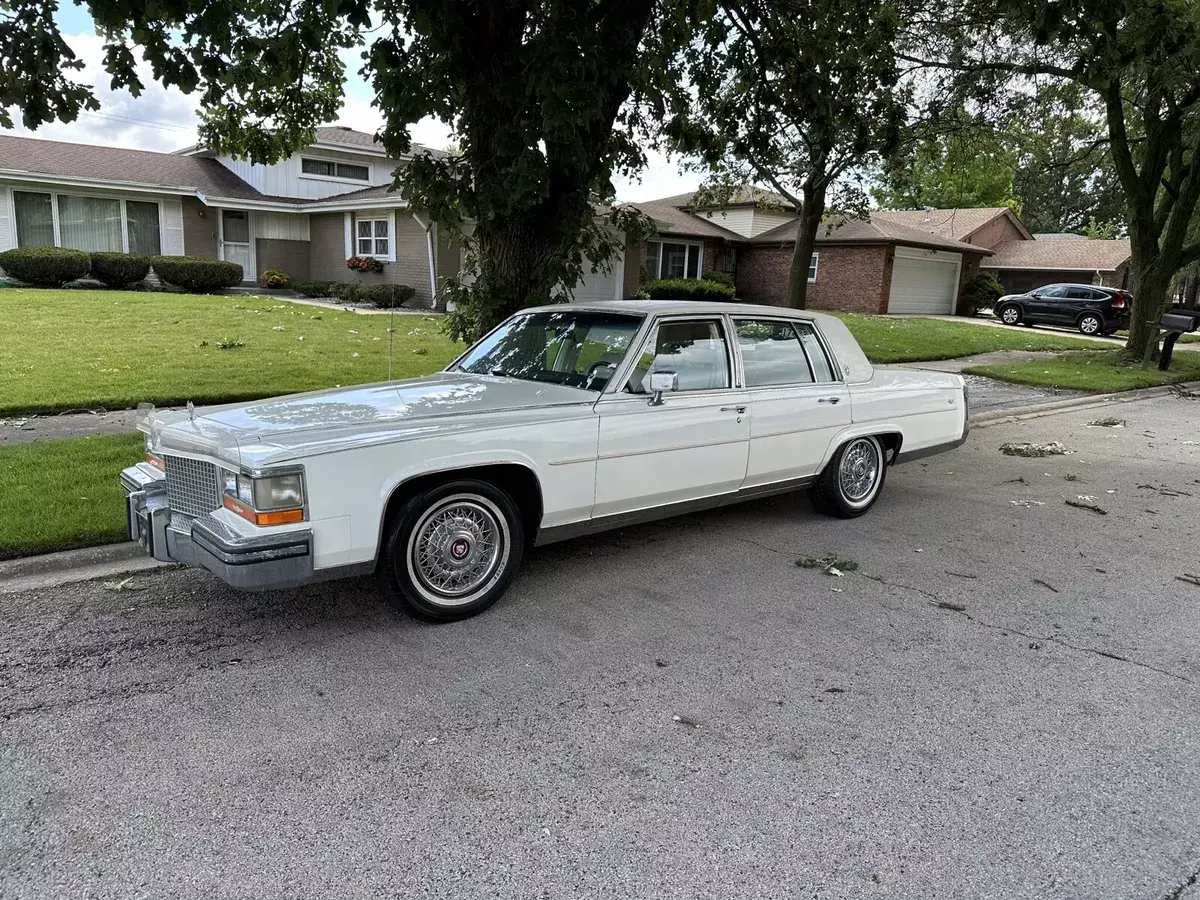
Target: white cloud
{"x": 164, "y": 119}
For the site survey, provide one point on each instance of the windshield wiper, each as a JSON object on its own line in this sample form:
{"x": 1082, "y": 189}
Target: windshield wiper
{"x": 500, "y": 373}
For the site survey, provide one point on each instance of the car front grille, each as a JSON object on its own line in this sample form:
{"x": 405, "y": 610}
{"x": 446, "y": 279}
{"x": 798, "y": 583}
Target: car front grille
{"x": 192, "y": 487}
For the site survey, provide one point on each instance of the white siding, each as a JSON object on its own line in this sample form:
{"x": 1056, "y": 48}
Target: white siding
{"x": 281, "y": 226}
{"x": 245, "y": 170}
{"x": 171, "y": 217}
{"x": 739, "y": 220}
{"x": 765, "y": 220}
{"x": 602, "y": 285}
{"x": 286, "y": 179}
{"x": 8, "y": 227}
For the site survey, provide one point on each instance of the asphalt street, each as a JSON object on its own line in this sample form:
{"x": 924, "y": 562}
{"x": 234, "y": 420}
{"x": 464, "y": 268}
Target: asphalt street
{"x": 1002, "y": 702}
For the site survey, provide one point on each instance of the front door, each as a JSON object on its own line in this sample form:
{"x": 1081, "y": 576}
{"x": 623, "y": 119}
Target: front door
{"x": 1046, "y": 303}
{"x": 799, "y": 404}
{"x": 235, "y": 240}
{"x": 691, "y": 448}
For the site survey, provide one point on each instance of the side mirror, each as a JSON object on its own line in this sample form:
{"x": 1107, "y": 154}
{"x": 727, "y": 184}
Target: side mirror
{"x": 661, "y": 382}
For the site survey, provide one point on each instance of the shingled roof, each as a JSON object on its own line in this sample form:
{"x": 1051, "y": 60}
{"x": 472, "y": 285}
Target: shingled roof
{"x": 958, "y": 224}
{"x": 33, "y": 156}
{"x": 869, "y": 231}
{"x": 1084, "y": 256}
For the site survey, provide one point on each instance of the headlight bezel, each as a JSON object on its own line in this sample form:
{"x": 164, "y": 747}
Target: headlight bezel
{"x": 277, "y": 496}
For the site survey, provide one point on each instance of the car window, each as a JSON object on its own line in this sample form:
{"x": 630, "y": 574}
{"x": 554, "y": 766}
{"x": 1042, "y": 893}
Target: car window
{"x": 1054, "y": 292}
{"x": 817, "y": 358}
{"x": 771, "y": 353}
{"x": 695, "y": 351}
{"x": 1081, "y": 293}
{"x": 575, "y": 348}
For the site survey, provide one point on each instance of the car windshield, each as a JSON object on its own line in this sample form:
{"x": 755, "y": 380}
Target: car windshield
{"x": 574, "y": 348}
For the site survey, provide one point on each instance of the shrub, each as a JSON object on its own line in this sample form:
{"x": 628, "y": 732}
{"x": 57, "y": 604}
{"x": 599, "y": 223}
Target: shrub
{"x": 719, "y": 277}
{"x": 981, "y": 293}
{"x": 312, "y": 288}
{"x": 346, "y": 291}
{"x": 275, "y": 278}
{"x": 385, "y": 296}
{"x": 688, "y": 289}
{"x": 118, "y": 270}
{"x": 45, "y": 266}
{"x": 194, "y": 273}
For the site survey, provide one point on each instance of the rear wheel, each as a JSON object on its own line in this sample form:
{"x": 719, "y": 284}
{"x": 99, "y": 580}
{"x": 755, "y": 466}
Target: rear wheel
{"x": 1009, "y": 314}
{"x": 1090, "y": 324}
{"x": 850, "y": 484}
{"x": 452, "y": 551}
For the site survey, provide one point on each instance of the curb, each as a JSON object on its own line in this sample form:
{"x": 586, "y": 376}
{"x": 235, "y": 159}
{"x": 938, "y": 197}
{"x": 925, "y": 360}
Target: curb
{"x": 1050, "y": 407}
{"x": 72, "y": 566}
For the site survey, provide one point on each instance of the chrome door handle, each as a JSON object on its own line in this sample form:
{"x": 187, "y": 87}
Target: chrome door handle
{"x": 829, "y": 399}
{"x": 737, "y": 409}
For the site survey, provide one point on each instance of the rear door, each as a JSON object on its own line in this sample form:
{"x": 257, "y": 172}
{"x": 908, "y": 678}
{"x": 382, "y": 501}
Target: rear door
{"x": 795, "y": 392}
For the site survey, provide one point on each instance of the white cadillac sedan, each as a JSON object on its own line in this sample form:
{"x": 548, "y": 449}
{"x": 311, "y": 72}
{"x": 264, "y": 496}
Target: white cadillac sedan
{"x": 562, "y": 421}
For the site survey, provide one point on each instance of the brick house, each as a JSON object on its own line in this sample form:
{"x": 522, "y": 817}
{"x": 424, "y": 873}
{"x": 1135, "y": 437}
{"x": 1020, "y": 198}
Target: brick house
{"x": 877, "y": 265}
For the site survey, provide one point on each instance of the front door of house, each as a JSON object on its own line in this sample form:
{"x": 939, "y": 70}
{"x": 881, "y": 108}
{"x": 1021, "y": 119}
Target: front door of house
{"x": 235, "y": 240}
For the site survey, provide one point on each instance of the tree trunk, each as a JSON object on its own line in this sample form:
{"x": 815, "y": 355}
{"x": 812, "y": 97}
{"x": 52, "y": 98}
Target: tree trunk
{"x": 812, "y": 210}
{"x": 1151, "y": 284}
{"x": 515, "y": 270}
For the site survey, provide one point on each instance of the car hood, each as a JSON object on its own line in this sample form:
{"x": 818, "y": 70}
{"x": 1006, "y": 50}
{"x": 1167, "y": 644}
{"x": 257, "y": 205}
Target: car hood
{"x": 269, "y": 431}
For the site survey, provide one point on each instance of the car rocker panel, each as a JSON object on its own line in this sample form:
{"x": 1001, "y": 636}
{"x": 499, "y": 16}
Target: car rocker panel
{"x": 630, "y": 412}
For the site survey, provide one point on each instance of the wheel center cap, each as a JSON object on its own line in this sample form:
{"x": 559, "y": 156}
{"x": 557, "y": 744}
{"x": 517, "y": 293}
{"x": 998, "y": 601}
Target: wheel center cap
{"x": 459, "y": 549}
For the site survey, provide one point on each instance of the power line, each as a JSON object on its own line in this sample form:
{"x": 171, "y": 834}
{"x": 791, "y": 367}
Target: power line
{"x": 146, "y": 122}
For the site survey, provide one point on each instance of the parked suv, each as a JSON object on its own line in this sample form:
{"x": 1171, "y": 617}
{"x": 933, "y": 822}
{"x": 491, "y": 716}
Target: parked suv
{"x": 1090, "y": 308}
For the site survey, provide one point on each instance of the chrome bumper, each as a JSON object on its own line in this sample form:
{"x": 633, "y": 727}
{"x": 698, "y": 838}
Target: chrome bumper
{"x": 249, "y": 563}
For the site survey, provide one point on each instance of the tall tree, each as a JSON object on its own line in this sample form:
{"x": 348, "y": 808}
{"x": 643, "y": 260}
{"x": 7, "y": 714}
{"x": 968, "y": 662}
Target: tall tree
{"x": 544, "y": 98}
{"x": 1140, "y": 61}
{"x": 795, "y": 95}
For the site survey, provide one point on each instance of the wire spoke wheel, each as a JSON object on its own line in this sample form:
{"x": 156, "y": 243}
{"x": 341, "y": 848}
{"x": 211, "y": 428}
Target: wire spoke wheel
{"x": 858, "y": 472}
{"x": 458, "y": 549}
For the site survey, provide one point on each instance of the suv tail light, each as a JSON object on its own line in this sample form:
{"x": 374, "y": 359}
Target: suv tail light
{"x": 1118, "y": 301}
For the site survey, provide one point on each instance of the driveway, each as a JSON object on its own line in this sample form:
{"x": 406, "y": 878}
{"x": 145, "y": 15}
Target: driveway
{"x": 1005, "y": 703}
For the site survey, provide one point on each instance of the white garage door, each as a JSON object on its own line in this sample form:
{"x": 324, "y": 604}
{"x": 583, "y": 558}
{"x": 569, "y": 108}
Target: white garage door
{"x": 601, "y": 285}
{"x": 925, "y": 284}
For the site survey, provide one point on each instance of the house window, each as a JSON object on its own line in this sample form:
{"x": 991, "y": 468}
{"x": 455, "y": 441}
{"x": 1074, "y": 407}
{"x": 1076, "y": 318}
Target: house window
{"x": 373, "y": 238}
{"x": 87, "y": 223}
{"x": 812, "y": 267}
{"x": 327, "y": 168}
{"x": 35, "y": 219}
{"x": 670, "y": 260}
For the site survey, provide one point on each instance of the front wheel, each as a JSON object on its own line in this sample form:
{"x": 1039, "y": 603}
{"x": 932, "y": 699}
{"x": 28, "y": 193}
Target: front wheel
{"x": 1091, "y": 324}
{"x": 1010, "y": 314}
{"x": 452, "y": 551}
{"x": 851, "y": 483}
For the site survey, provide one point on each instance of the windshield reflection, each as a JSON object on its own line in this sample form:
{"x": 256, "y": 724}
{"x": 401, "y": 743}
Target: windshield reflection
{"x": 574, "y": 348}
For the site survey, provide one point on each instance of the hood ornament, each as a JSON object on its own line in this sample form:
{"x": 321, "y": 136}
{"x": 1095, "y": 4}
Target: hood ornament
{"x": 191, "y": 408}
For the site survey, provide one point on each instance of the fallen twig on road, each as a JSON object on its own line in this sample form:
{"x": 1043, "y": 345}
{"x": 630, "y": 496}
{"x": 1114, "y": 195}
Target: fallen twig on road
{"x": 1045, "y": 584}
{"x": 1081, "y": 504}
{"x": 960, "y": 574}
{"x": 1189, "y": 578}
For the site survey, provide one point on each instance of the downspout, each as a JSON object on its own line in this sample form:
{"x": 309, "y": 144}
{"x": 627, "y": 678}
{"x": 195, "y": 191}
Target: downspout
{"x": 429, "y": 250}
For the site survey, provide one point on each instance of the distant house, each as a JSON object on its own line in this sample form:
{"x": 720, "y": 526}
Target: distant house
{"x": 306, "y": 214}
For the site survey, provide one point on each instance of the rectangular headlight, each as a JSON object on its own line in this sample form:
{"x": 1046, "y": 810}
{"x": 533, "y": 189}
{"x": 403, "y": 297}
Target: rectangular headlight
{"x": 266, "y": 500}
{"x": 278, "y": 492}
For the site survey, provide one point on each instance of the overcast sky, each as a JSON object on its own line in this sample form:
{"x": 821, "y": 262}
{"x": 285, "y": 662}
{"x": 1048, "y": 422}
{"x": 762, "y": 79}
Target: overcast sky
{"x": 165, "y": 119}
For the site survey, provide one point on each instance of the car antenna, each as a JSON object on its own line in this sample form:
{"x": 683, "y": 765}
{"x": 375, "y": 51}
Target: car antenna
{"x": 391, "y": 328}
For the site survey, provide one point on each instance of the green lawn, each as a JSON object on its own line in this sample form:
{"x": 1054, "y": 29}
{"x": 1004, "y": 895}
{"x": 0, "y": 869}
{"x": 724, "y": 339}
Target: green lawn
{"x": 1091, "y": 371}
{"x": 894, "y": 339}
{"x": 61, "y": 494}
{"x": 67, "y": 349}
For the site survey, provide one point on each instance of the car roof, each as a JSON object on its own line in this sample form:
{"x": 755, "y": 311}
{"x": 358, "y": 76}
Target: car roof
{"x": 684, "y": 307}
